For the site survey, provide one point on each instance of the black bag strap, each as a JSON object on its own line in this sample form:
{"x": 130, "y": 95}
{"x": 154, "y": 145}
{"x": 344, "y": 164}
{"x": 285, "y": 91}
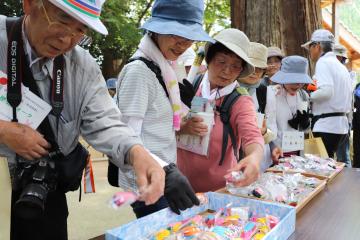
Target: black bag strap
{"x": 325, "y": 115}
{"x": 154, "y": 68}
{"x": 261, "y": 94}
{"x": 225, "y": 110}
{"x": 197, "y": 81}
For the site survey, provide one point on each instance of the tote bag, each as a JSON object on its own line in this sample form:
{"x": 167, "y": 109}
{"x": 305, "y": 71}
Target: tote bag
{"x": 315, "y": 146}
{"x": 5, "y": 203}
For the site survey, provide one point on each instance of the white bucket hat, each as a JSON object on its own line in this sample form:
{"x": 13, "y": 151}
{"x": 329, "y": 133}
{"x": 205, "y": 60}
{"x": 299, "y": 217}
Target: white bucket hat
{"x": 258, "y": 55}
{"x": 85, "y": 11}
{"x": 236, "y": 41}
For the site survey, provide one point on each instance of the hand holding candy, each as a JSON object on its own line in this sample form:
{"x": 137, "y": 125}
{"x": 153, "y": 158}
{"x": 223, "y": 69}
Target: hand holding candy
{"x": 121, "y": 199}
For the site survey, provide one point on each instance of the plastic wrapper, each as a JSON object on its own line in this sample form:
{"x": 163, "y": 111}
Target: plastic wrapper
{"x": 309, "y": 164}
{"x": 121, "y": 199}
{"x": 283, "y": 188}
{"x": 223, "y": 224}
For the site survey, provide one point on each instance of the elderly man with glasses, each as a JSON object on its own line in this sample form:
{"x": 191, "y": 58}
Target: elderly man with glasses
{"x": 39, "y": 50}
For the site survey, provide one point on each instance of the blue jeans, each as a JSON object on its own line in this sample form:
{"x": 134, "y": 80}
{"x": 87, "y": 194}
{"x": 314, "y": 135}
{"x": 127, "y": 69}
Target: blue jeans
{"x": 142, "y": 210}
{"x": 343, "y": 151}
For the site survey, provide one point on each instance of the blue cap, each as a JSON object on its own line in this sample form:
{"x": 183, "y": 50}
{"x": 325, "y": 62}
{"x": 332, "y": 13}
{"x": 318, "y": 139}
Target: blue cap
{"x": 178, "y": 17}
{"x": 294, "y": 69}
{"x": 111, "y": 83}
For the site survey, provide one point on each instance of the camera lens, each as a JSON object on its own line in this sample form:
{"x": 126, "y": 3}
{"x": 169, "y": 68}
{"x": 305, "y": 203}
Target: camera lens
{"x": 31, "y": 203}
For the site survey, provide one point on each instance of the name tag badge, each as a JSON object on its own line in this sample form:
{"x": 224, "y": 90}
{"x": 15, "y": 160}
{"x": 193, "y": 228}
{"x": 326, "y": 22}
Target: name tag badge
{"x": 31, "y": 111}
{"x": 292, "y": 141}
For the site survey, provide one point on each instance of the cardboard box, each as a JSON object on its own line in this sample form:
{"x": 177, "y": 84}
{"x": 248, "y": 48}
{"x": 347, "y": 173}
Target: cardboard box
{"x": 145, "y": 227}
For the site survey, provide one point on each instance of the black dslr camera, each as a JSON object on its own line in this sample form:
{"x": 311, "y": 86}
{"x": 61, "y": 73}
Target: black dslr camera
{"x": 35, "y": 180}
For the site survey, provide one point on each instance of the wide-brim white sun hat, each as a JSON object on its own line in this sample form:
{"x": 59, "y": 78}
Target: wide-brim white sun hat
{"x": 85, "y": 11}
{"x": 178, "y": 17}
{"x": 258, "y": 55}
{"x": 294, "y": 70}
{"x": 236, "y": 41}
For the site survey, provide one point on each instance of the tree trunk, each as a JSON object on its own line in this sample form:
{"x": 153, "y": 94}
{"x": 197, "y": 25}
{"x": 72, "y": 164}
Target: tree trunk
{"x": 283, "y": 23}
{"x": 299, "y": 19}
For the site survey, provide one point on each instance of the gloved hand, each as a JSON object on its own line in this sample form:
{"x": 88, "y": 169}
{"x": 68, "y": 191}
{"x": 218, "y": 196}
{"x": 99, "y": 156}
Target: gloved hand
{"x": 300, "y": 121}
{"x": 304, "y": 120}
{"x": 178, "y": 191}
{"x": 187, "y": 92}
{"x": 294, "y": 122}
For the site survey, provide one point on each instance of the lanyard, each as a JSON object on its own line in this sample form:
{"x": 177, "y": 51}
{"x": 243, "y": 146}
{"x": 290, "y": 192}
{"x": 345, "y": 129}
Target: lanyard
{"x": 18, "y": 68}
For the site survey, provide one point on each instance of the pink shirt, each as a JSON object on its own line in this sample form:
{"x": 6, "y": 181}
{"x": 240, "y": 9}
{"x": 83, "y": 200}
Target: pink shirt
{"x": 204, "y": 173}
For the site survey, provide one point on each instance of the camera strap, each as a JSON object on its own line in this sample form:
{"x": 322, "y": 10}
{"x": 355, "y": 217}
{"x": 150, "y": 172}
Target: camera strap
{"x": 20, "y": 72}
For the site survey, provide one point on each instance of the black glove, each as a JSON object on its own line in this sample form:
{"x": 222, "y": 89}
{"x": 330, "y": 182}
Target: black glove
{"x": 304, "y": 120}
{"x": 187, "y": 92}
{"x": 300, "y": 121}
{"x": 294, "y": 122}
{"x": 178, "y": 191}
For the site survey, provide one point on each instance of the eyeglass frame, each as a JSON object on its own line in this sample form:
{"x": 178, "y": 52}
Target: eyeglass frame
{"x": 224, "y": 65}
{"x": 181, "y": 41}
{"x": 83, "y": 38}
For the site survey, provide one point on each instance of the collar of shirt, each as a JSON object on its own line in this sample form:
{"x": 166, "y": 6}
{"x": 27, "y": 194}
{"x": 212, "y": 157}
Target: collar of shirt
{"x": 329, "y": 54}
{"x": 215, "y": 93}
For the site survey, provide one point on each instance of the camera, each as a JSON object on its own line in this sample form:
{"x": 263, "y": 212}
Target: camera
{"x": 35, "y": 181}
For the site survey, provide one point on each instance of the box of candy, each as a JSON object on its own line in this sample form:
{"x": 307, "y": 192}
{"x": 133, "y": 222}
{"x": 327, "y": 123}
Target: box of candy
{"x": 220, "y": 216}
{"x": 293, "y": 189}
{"x": 310, "y": 165}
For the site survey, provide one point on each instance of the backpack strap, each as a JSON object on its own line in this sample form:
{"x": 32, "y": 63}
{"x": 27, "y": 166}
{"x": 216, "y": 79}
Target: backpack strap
{"x": 154, "y": 68}
{"x": 261, "y": 93}
{"x": 197, "y": 81}
{"x": 225, "y": 110}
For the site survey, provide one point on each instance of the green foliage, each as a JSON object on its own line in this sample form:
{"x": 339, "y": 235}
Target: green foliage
{"x": 11, "y": 8}
{"x": 350, "y": 16}
{"x": 122, "y": 25}
{"x": 217, "y": 15}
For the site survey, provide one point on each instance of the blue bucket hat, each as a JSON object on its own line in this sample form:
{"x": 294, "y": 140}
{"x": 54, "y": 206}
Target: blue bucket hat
{"x": 111, "y": 83}
{"x": 178, "y": 17}
{"x": 294, "y": 69}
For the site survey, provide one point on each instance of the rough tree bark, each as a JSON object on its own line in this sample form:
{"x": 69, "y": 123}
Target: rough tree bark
{"x": 283, "y": 23}
{"x": 259, "y": 19}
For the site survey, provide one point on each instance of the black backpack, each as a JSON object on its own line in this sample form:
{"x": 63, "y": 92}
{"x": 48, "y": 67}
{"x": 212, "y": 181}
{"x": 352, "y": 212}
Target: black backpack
{"x": 225, "y": 110}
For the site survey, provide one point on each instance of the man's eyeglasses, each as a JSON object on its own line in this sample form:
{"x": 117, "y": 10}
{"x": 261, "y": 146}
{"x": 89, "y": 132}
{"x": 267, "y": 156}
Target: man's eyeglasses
{"x": 62, "y": 30}
{"x": 313, "y": 44}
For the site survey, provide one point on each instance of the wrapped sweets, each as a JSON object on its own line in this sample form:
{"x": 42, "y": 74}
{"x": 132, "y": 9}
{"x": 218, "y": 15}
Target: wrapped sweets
{"x": 224, "y": 224}
{"x": 286, "y": 188}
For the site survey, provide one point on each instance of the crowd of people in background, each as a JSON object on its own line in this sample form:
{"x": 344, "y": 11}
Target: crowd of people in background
{"x": 255, "y": 94}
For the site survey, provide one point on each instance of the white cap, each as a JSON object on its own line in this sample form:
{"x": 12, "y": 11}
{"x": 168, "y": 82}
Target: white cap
{"x": 85, "y": 11}
{"x": 340, "y": 50}
{"x": 320, "y": 35}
